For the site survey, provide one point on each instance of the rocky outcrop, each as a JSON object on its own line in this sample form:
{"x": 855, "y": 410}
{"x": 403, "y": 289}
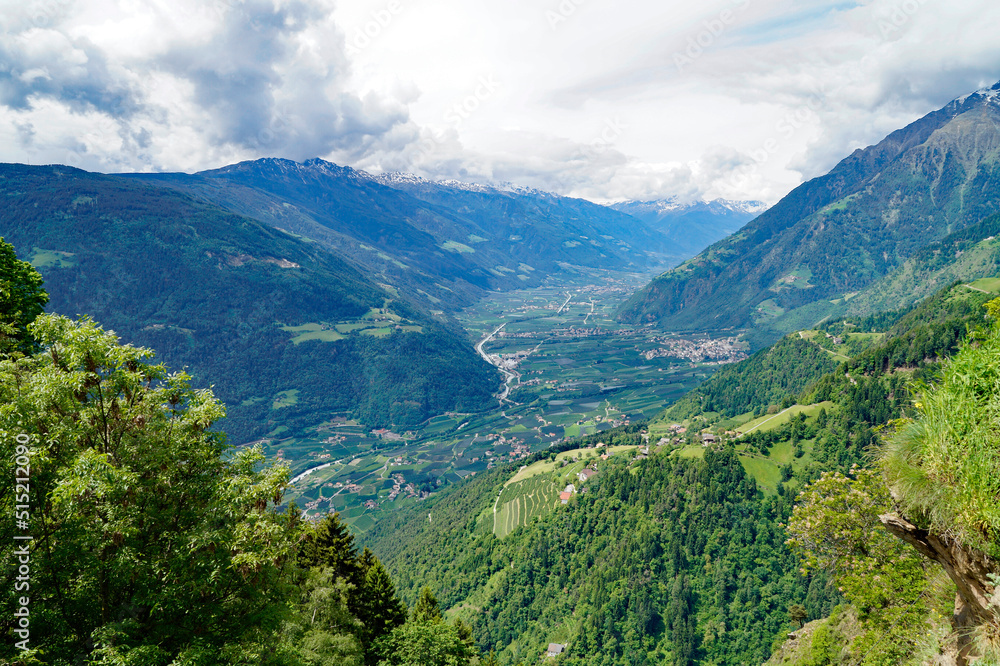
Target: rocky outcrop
{"x": 967, "y": 567}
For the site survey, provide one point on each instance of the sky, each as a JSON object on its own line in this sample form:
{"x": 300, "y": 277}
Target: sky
{"x": 631, "y": 99}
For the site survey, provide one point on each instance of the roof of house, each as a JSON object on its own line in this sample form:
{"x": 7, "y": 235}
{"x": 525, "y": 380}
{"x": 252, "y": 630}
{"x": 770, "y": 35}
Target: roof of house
{"x": 565, "y": 495}
{"x": 587, "y": 473}
{"x": 556, "y": 648}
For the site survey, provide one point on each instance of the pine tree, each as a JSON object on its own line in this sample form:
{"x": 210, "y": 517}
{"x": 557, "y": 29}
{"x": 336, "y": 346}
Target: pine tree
{"x": 426, "y": 609}
{"x": 330, "y": 544}
{"x": 379, "y": 607}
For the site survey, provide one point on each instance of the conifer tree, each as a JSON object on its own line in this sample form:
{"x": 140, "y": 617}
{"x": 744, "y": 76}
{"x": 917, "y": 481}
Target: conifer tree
{"x": 330, "y": 545}
{"x": 379, "y": 609}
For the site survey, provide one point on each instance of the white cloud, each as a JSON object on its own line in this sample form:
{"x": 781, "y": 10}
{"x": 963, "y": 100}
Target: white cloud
{"x": 634, "y": 99}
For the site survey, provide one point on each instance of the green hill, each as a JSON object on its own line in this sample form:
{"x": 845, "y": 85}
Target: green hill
{"x": 233, "y": 300}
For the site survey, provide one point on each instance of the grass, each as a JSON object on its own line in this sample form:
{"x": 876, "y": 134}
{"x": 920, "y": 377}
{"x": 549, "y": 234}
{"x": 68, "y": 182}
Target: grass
{"x": 772, "y": 421}
{"x": 769, "y": 309}
{"x": 51, "y": 258}
{"x": 286, "y": 399}
{"x": 377, "y": 332}
{"x": 693, "y": 451}
{"x": 455, "y": 246}
{"x": 312, "y": 331}
{"x": 765, "y": 472}
{"x": 991, "y": 284}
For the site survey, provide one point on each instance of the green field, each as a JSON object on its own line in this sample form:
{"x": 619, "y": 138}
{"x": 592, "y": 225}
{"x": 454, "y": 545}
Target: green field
{"x": 51, "y": 258}
{"x": 772, "y": 421}
{"x": 286, "y": 399}
{"x": 579, "y": 372}
{"x": 990, "y": 284}
{"x": 455, "y": 246}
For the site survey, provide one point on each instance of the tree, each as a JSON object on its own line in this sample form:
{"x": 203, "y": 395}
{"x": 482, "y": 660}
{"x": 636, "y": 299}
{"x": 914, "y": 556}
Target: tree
{"x": 326, "y": 630}
{"x": 330, "y": 544}
{"x": 22, "y": 299}
{"x": 797, "y": 614}
{"x": 379, "y": 608}
{"x": 835, "y": 526}
{"x": 426, "y": 640}
{"x": 153, "y": 541}
{"x": 425, "y": 644}
{"x": 941, "y": 469}
{"x": 426, "y": 609}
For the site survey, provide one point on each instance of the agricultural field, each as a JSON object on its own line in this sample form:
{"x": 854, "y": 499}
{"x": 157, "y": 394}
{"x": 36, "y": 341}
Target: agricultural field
{"x": 573, "y": 371}
{"x": 51, "y": 258}
{"x": 772, "y": 421}
{"x": 991, "y": 285}
{"x": 377, "y": 322}
{"x": 535, "y": 489}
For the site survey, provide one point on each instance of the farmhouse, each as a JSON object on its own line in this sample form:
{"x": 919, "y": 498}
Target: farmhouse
{"x": 586, "y": 474}
{"x": 555, "y": 649}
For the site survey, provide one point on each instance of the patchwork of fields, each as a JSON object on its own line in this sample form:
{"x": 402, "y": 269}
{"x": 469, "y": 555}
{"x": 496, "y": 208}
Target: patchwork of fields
{"x": 575, "y": 372}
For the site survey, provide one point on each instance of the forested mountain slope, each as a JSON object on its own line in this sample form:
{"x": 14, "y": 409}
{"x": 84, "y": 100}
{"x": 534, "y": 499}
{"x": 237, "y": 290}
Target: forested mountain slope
{"x": 245, "y": 307}
{"x": 441, "y": 245}
{"x": 680, "y": 557}
{"x": 839, "y": 233}
{"x": 963, "y": 255}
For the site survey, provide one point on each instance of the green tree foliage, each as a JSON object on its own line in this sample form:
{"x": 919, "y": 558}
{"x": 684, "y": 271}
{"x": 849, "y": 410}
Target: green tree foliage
{"x": 153, "y": 541}
{"x": 22, "y": 299}
{"x": 360, "y": 580}
{"x": 378, "y": 607}
{"x": 432, "y": 643}
{"x": 942, "y": 467}
{"x": 766, "y": 378}
{"x": 652, "y": 560}
{"x": 426, "y": 609}
{"x": 835, "y": 526}
{"x": 329, "y": 544}
{"x": 324, "y": 628}
{"x": 426, "y": 640}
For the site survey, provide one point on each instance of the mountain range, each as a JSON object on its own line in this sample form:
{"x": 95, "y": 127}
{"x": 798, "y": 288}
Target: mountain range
{"x": 441, "y": 245}
{"x": 302, "y": 291}
{"x": 834, "y": 236}
{"x": 692, "y": 227}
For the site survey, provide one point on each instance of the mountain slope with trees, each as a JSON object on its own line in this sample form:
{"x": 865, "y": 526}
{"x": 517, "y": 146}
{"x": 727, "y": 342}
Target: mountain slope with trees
{"x": 215, "y": 292}
{"x": 442, "y": 245}
{"x": 839, "y": 233}
{"x": 680, "y": 558}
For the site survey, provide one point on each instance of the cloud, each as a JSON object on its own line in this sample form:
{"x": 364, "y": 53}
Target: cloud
{"x": 178, "y": 86}
{"x": 636, "y": 99}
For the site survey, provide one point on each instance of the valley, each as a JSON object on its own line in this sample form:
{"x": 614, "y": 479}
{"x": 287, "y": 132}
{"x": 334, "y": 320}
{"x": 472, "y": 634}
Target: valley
{"x": 569, "y": 370}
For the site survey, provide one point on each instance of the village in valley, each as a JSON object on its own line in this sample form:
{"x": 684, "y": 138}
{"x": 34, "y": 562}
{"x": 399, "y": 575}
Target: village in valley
{"x": 570, "y": 370}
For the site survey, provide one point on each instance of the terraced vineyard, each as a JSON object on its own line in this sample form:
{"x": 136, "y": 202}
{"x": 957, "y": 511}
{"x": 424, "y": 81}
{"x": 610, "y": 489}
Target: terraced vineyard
{"x": 535, "y": 489}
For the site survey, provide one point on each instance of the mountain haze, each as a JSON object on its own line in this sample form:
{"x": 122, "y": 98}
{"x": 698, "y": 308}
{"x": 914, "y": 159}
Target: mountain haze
{"x": 837, "y": 234}
{"x": 690, "y": 228}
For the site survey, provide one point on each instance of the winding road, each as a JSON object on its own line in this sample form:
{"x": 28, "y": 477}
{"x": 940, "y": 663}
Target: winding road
{"x": 507, "y": 373}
